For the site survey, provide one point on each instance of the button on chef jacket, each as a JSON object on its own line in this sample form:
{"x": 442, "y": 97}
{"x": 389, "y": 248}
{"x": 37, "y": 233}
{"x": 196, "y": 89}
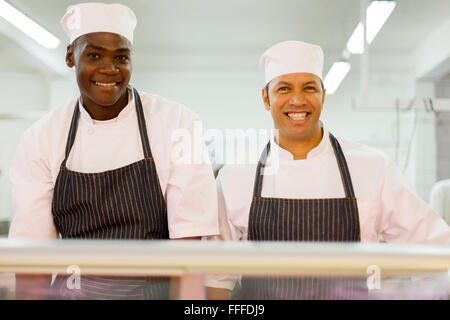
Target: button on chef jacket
{"x": 189, "y": 189}
{"x": 387, "y": 206}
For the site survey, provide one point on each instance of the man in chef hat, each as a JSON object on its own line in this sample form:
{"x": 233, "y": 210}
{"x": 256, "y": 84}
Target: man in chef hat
{"x": 325, "y": 188}
{"x": 284, "y": 65}
{"x": 95, "y": 28}
{"x": 103, "y": 166}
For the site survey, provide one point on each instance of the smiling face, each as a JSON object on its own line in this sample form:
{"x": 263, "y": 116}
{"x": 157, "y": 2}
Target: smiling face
{"x": 295, "y": 101}
{"x": 103, "y": 69}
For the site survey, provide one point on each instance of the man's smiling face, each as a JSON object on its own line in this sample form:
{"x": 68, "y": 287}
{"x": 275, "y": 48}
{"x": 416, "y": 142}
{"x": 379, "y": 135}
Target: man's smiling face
{"x": 295, "y": 101}
{"x": 103, "y": 68}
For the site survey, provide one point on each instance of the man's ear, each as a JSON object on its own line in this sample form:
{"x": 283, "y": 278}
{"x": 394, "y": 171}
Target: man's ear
{"x": 70, "y": 61}
{"x": 265, "y": 97}
{"x": 324, "y": 93}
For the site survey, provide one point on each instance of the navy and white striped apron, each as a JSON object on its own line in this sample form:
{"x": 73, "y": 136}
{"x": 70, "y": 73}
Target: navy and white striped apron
{"x": 277, "y": 219}
{"x": 121, "y": 204}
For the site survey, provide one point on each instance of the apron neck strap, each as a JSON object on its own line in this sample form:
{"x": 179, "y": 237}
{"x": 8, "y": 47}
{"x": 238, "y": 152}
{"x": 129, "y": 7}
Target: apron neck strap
{"x": 259, "y": 171}
{"x": 342, "y": 163}
{"x": 142, "y": 126}
{"x": 343, "y": 168}
{"x": 141, "y": 123}
{"x": 72, "y": 132}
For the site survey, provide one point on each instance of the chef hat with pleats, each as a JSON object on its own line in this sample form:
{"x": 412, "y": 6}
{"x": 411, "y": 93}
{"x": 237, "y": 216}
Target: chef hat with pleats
{"x": 84, "y": 18}
{"x": 291, "y": 57}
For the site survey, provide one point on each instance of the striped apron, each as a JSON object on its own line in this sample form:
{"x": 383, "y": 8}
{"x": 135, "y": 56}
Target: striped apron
{"x": 121, "y": 204}
{"x": 276, "y": 219}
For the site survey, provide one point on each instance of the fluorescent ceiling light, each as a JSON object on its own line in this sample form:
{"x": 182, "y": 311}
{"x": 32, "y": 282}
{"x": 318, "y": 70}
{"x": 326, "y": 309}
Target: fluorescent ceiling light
{"x": 335, "y": 76}
{"x": 28, "y": 26}
{"x": 377, "y": 14}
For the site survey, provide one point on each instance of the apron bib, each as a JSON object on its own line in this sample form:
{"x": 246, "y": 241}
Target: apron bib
{"x": 121, "y": 204}
{"x": 276, "y": 219}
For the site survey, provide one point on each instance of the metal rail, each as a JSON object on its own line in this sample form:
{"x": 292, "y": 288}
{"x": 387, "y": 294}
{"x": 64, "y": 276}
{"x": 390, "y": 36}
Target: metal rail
{"x": 205, "y": 257}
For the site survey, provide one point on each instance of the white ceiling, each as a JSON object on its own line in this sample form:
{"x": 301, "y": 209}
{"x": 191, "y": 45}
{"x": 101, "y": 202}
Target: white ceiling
{"x": 230, "y": 35}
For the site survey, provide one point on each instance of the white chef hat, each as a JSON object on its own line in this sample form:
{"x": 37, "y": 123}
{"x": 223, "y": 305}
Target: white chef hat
{"x": 291, "y": 57}
{"x": 84, "y": 18}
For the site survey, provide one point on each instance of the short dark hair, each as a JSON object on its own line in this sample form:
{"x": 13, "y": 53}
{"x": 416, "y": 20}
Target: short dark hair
{"x": 267, "y": 88}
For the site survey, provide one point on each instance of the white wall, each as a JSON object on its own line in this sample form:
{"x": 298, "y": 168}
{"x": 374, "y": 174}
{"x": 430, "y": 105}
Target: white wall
{"x": 22, "y": 94}
{"x": 10, "y": 132}
{"x": 23, "y": 91}
{"x": 221, "y": 99}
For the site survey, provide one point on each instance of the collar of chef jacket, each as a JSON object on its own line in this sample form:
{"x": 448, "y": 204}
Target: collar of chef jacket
{"x": 284, "y": 154}
{"x": 125, "y": 113}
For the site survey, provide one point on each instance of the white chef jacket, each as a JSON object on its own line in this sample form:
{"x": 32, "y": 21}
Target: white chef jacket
{"x": 386, "y": 204}
{"x": 189, "y": 189}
